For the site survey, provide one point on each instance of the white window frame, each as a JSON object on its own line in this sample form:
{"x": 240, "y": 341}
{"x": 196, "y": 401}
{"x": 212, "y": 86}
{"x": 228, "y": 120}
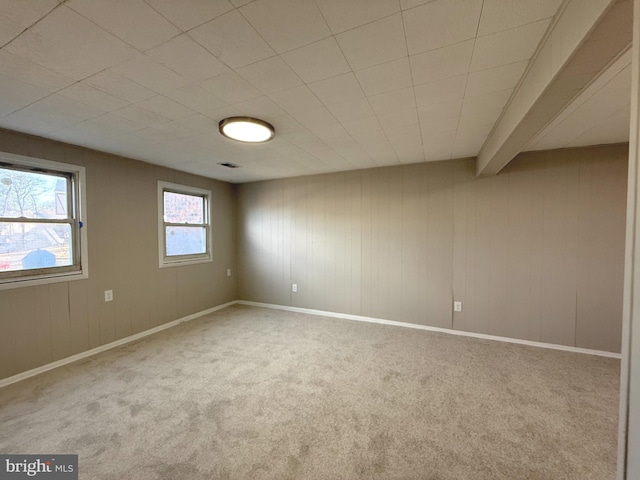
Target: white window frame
{"x": 178, "y": 260}
{"x": 79, "y": 225}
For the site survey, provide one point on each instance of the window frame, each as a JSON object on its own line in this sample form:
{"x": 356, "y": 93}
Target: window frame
{"x": 76, "y": 202}
{"x": 165, "y": 261}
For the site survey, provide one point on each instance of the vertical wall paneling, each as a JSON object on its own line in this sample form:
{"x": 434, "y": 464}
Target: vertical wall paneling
{"x": 535, "y": 252}
{"x": 49, "y": 322}
{"x": 60, "y": 320}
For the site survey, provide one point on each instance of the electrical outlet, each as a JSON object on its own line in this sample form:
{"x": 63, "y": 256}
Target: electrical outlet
{"x": 294, "y": 287}
{"x": 108, "y": 295}
{"x": 228, "y": 272}
{"x": 457, "y": 306}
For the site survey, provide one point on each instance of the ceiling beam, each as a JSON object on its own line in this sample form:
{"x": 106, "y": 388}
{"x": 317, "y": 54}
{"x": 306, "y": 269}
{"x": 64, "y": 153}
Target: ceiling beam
{"x": 585, "y": 38}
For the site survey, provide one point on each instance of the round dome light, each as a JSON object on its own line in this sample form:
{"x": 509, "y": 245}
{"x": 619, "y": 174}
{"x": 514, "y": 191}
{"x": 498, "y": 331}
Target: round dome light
{"x": 246, "y": 129}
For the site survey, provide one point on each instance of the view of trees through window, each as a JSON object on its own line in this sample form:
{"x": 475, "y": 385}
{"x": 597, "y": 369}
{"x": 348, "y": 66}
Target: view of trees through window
{"x": 185, "y": 228}
{"x": 35, "y": 230}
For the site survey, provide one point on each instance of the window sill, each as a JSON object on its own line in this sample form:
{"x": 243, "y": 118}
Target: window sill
{"x": 184, "y": 262}
{"x": 42, "y": 280}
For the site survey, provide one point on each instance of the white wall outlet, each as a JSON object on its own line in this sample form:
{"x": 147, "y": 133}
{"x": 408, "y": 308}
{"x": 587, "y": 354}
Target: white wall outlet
{"x": 294, "y": 287}
{"x": 457, "y": 306}
{"x": 228, "y": 272}
{"x": 108, "y": 295}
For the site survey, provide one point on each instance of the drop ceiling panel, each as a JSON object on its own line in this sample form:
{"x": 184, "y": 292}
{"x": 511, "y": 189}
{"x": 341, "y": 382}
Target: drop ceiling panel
{"x": 286, "y": 24}
{"x": 317, "y": 61}
{"x": 347, "y": 84}
{"x": 441, "y": 23}
{"x": 123, "y": 18}
{"x": 375, "y": 43}
{"x": 499, "y": 15}
{"x": 509, "y": 46}
{"x": 68, "y": 43}
{"x": 383, "y": 78}
{"x": 187, "y": 58}
{"x": 232, "y": 40}
{"x": 188, "y": 14}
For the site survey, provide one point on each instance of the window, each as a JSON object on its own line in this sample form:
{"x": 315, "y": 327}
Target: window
{"x": 42, "y": 238}
{"x": 184, "y": 228}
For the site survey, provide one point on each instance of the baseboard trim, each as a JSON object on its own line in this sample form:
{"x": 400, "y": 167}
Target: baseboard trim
{"x": 483, "y": 336}
{"x": 102, "y": 348}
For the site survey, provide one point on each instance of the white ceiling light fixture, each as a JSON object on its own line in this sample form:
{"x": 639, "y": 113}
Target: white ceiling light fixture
{"x": 246, "y": 129}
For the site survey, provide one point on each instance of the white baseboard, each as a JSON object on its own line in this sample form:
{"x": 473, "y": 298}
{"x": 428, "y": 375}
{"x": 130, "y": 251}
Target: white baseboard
{"x": 74, "y": 358}
{"x": 79, "y": 356}
{"x": 382, "y": 321}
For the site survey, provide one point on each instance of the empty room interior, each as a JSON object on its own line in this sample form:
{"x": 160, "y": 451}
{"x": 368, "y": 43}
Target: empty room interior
{"x": 319, "y": 239}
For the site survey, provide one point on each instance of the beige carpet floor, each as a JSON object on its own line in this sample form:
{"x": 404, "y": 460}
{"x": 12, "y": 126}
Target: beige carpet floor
{"x": 251, "y": 393}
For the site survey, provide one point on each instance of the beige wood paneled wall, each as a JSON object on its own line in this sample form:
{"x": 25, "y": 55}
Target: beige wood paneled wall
{"x": 41, "y": 324}
{"x": 536, "y": 252}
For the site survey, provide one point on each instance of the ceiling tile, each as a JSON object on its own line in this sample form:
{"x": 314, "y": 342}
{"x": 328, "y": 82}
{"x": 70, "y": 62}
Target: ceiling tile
{"x": 437, "y": 151}
{"x": 196, "y": 98}
{"x": 363, "y": 127}
{"x": 139, "y": 117}
{"x": 261, "y": 107}
{"x": 104, "y": 126}
{"x": 165, "y": 107}
{"x": 495, "y": 79}
{"x": 220, "y": 36}
{"x": 337, "y": 89}
{"x": 389, "y": 76}
{"x": 219, "y": 113}
{"x": 26, "y": 13}
{"x": 391, "y": 102}
{"x": 16, "y": 94}
{"x": 375, "y": 43}
{"x": 25, "y": 121}
{"x": 188, "y": 58}
{"x": 119, "y": 86}
{"x": 441, "y": 90}
{"x": 435, "y": 128}
{"x": 123, "y": 18}
{"x": 92, "y": 96}
{"x": 199, "y": 123}
{"x": 441, "y": 110}
{"x": 341, "y": 15}
{"x": 407, "y": 4}
{"x": 320, "y": 60}
{"x": 489, "y": 102}
{"x": 402, "y": 121}
{"x": 230, "y": 87}
{"x": 318, "y": 117}
{"x": 26, "y": 71}
{"x": 61, "y": 111}
{"x": 509, "y": 46}
{"x": 150, "y": 74}
{"x": 352, "y": 110}
{"x": 270, "y": 76}
{"x": 500, "y": 15}
{"x": 70, "y": 44}
{"x": 443, "y": 63}
{"x": 9, "y": 30}
{"x": 286, "y": 24}
{"x": 441, "y": 23}
{"x": 187, "y": 14}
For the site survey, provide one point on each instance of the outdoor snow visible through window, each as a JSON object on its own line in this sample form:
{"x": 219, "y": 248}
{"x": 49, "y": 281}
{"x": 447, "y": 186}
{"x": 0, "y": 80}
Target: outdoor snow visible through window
{"x": 35, "y": 231}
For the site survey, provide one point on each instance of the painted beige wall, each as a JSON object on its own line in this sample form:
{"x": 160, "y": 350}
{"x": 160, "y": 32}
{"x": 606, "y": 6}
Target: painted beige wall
{"x": 46, "y": 323}
{"x": 534, "y": 253}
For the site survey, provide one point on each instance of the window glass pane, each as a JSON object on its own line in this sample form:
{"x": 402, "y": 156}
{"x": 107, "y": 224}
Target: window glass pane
{"x": 186, "y": 240}
{"x": 25, "y": 246}
{"x": 181, "y": 208}
{"x": 32, "y": 195}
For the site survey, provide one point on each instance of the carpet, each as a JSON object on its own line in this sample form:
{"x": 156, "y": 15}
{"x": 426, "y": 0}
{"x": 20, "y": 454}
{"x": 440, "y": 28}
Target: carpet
{"x": 253, "y": 393}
